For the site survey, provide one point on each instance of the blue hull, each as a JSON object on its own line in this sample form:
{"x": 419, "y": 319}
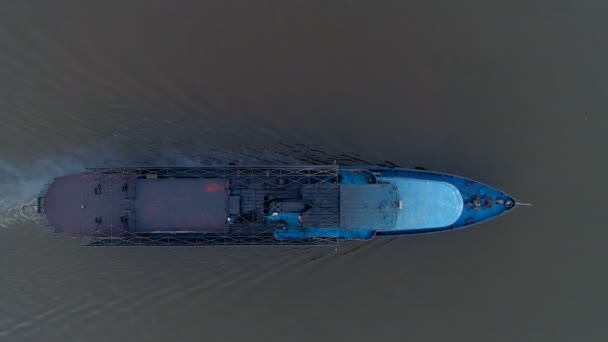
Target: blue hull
{"x": 243, "y": 205}
{"x": 480, "y": 201}
{"x": 426, "y": 202}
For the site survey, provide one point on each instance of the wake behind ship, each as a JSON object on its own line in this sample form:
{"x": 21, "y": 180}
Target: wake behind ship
{"x": 241, "y": 205}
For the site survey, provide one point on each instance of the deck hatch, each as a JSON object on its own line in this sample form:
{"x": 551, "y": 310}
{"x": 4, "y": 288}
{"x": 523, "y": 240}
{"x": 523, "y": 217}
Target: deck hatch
{"x": 181, "y": 204}
{"x": 368, "y": 206}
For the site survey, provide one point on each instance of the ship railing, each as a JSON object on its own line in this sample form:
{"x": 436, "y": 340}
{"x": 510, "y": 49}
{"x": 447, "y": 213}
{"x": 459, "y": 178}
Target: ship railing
{"x": 202, "y": 240}
{"x": 42, "y": 197}
{"x": 41, "y": 207}
{"x": 241, "y": 234}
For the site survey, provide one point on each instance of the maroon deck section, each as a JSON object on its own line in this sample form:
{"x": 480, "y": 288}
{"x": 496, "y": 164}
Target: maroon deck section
{"x": 63, "y": 204}
{"x": 94, "y": 204}
{"x": 180, "y": 205}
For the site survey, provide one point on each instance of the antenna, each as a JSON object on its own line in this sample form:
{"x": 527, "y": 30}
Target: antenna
{"x": 525, "y": 204}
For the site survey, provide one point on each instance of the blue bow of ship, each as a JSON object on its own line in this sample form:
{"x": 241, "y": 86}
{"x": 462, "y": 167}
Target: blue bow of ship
{"x": 248, "y": 205}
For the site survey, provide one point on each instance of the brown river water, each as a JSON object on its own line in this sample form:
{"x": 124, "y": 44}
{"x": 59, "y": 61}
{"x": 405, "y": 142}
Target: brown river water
{"x": 512, "y": 94}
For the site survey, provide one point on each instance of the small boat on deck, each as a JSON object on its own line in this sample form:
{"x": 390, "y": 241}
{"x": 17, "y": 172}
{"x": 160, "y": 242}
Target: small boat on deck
{"x": 250, "y": 205}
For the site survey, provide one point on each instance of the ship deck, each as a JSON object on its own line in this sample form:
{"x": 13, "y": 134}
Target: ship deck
{"x": 172, "y": 205}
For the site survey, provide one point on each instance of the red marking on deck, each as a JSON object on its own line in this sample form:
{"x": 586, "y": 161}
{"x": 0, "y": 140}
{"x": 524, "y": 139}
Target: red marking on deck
{"x": 213, "y": 187}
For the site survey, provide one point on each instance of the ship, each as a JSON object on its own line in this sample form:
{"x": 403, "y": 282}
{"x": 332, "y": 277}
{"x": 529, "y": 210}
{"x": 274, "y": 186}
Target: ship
{"x": 262, "y": 205}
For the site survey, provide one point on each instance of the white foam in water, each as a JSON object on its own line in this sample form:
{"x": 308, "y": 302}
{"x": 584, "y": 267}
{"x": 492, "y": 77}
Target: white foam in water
{"x": 21, "y": 184}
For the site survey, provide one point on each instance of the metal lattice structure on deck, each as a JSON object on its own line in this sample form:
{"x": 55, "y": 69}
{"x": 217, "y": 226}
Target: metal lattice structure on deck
{"x": 110, "y": 207}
